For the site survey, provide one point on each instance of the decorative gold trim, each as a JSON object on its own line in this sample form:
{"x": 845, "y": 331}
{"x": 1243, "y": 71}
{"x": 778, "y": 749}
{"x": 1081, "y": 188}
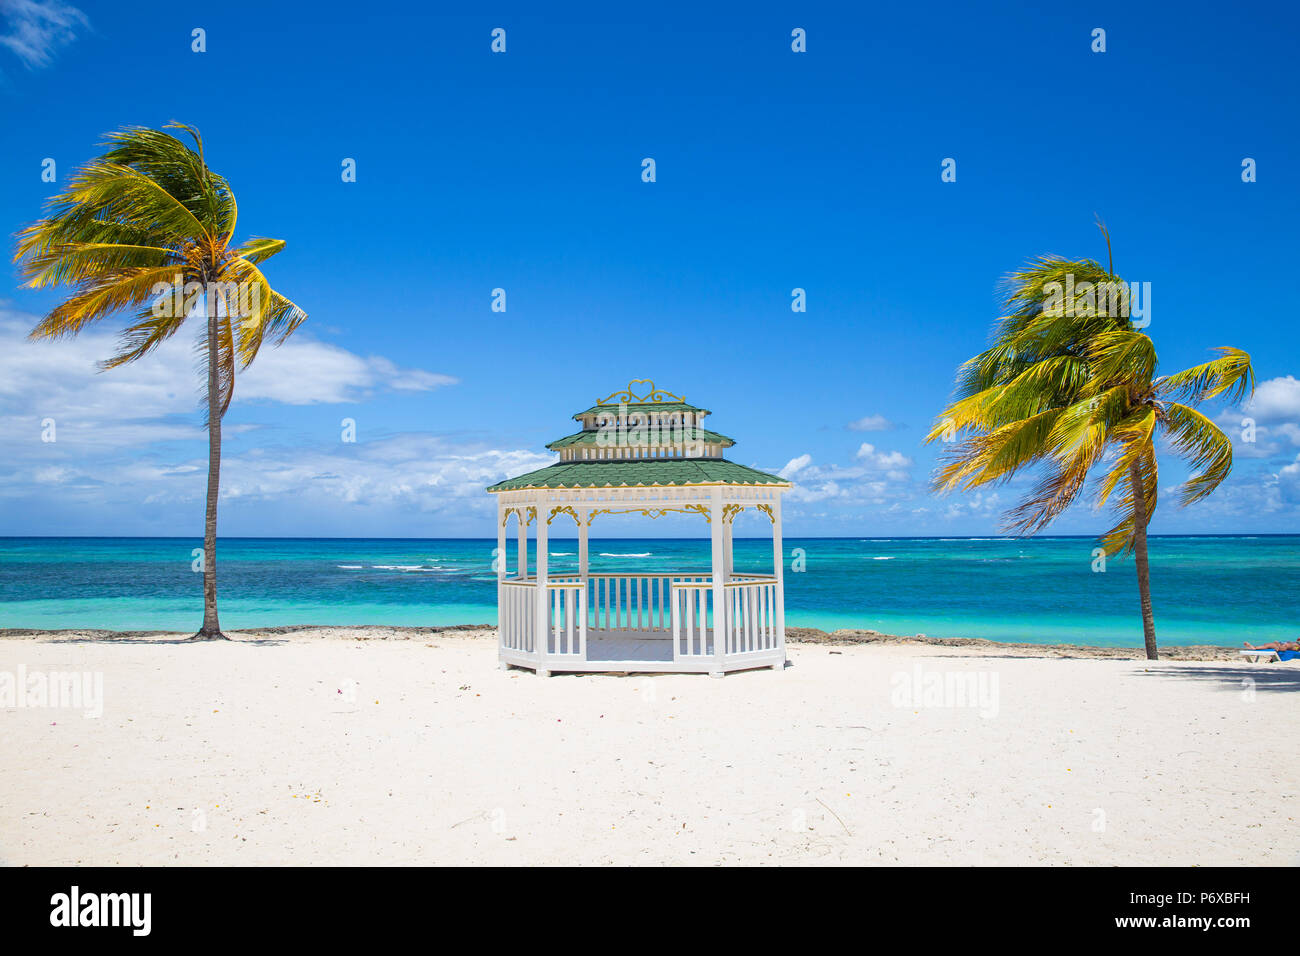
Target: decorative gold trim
{"x": 688, "y": 484}
{"x": 729, "y": 513}
{"x": 767, "y": 510}
{"x": 652, "y": 397}
{"x": 651, "y": 512}
{"x": 564, "y": 510}
{"x": 518, "y": 512}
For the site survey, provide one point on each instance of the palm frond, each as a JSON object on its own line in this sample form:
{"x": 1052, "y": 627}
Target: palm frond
{"x": 151, "y": 213}
{"x": 1120, "y": 537}
{"x": 1121, "y": 356}
{"x": 274, "y": 319}
{"x": 996, "y": 456}
{"x": 1133, "y": 437}
{"x": 1052, "y": 495}
{"x": 259, "y": 249}
{"x": 76, "y": 262}
{"x": 1231, "y": 375}
{"x": 180, "y": 170}
{"x": 150, "y": 329}
{"x": 1203, "y": 445}
{"x": 108, "y": 293}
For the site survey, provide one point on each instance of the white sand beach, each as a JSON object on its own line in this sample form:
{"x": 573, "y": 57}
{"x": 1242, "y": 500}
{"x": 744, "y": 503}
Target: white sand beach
{"x": 292, "y": 749}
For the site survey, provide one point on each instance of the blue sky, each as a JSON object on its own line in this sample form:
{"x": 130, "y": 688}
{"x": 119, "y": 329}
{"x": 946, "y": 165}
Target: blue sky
{"x": 522, "y": 171}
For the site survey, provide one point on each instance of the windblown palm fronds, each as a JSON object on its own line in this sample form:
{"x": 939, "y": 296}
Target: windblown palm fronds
{"x": 1067, "y": 387}
{"x": 148, "y": 229}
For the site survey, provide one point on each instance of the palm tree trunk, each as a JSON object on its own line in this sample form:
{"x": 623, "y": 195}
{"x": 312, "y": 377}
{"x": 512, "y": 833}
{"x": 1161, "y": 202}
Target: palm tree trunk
{"x": 211, "y": 629}
{"x": 1140, "y": 519}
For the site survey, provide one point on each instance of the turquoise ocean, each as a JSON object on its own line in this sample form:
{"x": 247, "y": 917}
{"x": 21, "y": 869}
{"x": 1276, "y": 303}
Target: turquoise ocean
{"x": 1214, "y": 590}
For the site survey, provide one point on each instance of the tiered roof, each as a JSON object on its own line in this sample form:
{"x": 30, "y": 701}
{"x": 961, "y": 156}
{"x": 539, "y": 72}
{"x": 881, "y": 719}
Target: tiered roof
{"x": 647, "y": 439}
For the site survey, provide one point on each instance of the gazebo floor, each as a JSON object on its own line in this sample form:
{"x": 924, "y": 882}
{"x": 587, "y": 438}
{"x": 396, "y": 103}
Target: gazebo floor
{"x": 644, "y": 651}
{"x": 631, "y": 646}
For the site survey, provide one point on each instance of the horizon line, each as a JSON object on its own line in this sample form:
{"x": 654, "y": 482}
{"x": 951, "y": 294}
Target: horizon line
{"x": 838, "y": 537}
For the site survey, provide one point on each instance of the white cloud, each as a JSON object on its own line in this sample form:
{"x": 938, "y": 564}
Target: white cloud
{"x": 1275, "y": 400}
{"x": 871, "y": 423}
{"x": 424, "y": 472}
{"x": 892, "y": 461}
{"x": 34, "y": 29}
{"x": 308, "y": 373}
{"x": 131, "y": 405}
{"x": 878, "y": 479}
{"x": 980, "y": 503}
{"x": 1275, "y": 411}
{"x": 408, "y": 473}
{"x": 794, "y": 466}
{"x": 134, "y": 435}
{"x": 1288, "y": 482}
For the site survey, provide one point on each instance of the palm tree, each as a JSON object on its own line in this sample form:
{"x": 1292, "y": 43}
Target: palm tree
{"x": 1068, "y": 385}
{"x": 148, "y": 227}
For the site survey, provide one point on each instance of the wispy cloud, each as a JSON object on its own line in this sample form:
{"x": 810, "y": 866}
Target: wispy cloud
{"x": 892, "y": 463}
{"x": 1276, "y": 400}
{"x": 35, "y": 29}
{"x": 794, "y": 466}
{"x": 60, "y": 380}
{"x": 871, "y": 423}
{"x": 80, "y": 445}
{"x": 876, "y": 479}
{"x": 1269, "y": 423}
{"x": 155, "y": 400}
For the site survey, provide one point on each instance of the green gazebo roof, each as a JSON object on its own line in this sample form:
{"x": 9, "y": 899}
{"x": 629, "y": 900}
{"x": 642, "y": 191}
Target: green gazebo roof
{"x": 641, "y": 465}
{"x": 630, "y": 474}
{"x": 593, "y": 438}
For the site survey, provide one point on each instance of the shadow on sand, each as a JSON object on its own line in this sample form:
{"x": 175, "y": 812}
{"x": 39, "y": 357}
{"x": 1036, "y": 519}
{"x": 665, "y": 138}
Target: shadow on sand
{"x": 162, "y": 640}
{"x": 1267, "y": 677}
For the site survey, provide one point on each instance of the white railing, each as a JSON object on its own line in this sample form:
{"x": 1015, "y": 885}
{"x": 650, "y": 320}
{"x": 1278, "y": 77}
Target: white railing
{"x": 751, "y": 616}
{"x": 567, "y": 619}
{"x": 634, "y": 602}
{"x": 692, "y": 619}
{"x": 518, "y": 613}
{"x": 680, "y": 606}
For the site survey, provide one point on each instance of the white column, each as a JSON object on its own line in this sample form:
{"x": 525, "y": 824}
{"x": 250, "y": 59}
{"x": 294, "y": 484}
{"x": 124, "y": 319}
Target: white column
{"x": 543, "y": 606}
{"x": 501, "y": 542}
{"x": 778, "y": 571}
{"x": 584, "y": 520}
{"x": 501, "y": 574}
{"x": 584, "y": 516}
{"x": 729, "y": 554}
{"x": 719, "y": 577}
{"x": 521, "y": 516}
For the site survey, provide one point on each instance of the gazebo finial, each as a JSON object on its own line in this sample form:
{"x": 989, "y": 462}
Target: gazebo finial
{"x": 653, "y": 396}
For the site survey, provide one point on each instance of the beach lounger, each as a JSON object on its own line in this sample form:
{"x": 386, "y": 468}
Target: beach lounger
{"x": 1266, "y": 656}
{"x": 1269, "y": 656}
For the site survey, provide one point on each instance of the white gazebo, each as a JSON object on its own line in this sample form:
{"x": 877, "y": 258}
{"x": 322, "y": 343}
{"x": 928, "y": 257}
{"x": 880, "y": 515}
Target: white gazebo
{"x": 645, "y": 454}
